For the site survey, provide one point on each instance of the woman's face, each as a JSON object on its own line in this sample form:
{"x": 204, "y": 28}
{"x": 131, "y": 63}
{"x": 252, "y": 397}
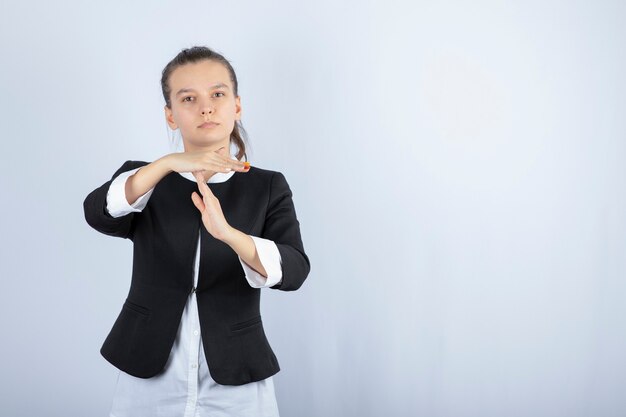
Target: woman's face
{"x": 204, "y": 86}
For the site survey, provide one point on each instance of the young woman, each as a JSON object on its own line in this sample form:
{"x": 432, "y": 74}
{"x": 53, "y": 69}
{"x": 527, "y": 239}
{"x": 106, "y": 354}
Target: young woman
{"x": 208, "y": 231}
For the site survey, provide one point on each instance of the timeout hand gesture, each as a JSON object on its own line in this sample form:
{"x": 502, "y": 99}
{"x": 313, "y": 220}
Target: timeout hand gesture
{"x": 209, "y": 206}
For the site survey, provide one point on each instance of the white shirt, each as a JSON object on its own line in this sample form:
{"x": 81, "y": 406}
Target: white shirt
{"x": 185, "y": 387}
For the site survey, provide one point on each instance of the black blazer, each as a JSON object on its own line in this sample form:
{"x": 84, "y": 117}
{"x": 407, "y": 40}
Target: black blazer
{"x": 164, "y": 235}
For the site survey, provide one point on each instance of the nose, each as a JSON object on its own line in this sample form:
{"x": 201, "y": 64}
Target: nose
{"x": 205, "y": 104}
{"x": 206, "y": 108}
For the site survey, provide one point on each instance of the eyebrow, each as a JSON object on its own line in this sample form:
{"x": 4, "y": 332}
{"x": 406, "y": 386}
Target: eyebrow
{"x": 187, "y": 90}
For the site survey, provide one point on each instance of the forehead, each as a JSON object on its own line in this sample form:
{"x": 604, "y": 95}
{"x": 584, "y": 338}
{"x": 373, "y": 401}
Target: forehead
{"x": 199, "y": 75}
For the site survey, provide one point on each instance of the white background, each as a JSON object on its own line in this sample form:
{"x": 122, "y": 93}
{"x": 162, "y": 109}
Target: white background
{"x": 458, "y": 170}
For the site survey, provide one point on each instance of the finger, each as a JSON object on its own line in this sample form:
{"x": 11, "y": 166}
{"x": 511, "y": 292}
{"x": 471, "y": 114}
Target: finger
{"x": 199, "y": 180}
{"x": 236, "y": 164}
{"x": 207, "y": 193}
{"x": 197, "y": 201}
{"x": 227, "y": 163}
{"x": 220, "y": 163}
{"x": 204, "y": 188}
{"x": 240, "y": 165}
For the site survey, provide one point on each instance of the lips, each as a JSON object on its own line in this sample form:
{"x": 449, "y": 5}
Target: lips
{"x": 208, "y": 125}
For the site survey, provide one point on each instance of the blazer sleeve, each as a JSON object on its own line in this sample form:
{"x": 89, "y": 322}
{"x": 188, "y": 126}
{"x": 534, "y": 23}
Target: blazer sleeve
{"x": 97, "y": 215}
{"x": 270, "y": 259}
{"x": 117, "y": 205}
{"x": 282, "y": 227}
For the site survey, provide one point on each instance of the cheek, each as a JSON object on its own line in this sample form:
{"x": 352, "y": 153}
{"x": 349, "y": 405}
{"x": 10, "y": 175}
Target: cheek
{"x": 230, "y": 108}
{"x": 185, "y": 115}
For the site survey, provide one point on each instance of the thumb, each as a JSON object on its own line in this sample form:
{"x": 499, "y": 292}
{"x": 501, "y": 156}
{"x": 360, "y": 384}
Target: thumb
{"x": 197, "y": 201}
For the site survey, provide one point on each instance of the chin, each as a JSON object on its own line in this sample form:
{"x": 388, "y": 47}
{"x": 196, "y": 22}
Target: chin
{"x": 206, "y": 140}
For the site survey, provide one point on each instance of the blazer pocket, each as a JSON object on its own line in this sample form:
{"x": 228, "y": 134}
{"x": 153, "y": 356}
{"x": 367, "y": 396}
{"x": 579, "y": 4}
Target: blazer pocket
{"x": 245, "y": 324}
{"x": 144, "y": 311}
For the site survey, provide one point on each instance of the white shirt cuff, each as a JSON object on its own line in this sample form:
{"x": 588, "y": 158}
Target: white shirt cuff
{"x": 117, "y": 205}
{"x": 271, "y": 261}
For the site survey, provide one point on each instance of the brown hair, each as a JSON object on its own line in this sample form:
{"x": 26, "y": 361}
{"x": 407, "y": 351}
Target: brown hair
{"x": 196, "y": 54}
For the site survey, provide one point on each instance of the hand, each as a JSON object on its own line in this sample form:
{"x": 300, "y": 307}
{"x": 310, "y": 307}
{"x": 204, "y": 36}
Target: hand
{"x": 206, "y": 162}
{"x": 209, "y": 206}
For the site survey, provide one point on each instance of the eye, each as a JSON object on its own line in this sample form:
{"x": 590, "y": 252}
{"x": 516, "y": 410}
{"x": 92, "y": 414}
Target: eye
{"x": 185, "y": 98}
{"x": 219, "y": 92}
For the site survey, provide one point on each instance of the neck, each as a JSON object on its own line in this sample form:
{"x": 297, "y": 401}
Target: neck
{"x": 194, "y": 147}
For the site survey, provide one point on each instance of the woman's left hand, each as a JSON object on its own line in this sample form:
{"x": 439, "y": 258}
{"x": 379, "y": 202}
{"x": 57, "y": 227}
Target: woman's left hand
{"x": 209, "y": 206}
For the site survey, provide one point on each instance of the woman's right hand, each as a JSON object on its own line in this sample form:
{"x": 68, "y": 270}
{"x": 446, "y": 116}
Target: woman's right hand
{"x": 205, "y": 162}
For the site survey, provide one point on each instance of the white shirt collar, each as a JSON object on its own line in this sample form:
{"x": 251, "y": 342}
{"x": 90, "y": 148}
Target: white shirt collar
{"x": 217, "y": 177}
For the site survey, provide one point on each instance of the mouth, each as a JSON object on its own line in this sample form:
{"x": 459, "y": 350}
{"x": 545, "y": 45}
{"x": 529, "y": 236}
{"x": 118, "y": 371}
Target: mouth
{"x": 207, "y": 125}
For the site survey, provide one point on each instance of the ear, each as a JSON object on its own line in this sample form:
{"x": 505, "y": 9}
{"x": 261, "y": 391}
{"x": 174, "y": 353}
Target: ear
{"x": 169, "y": 117}
{"x": 238, "y": 108}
